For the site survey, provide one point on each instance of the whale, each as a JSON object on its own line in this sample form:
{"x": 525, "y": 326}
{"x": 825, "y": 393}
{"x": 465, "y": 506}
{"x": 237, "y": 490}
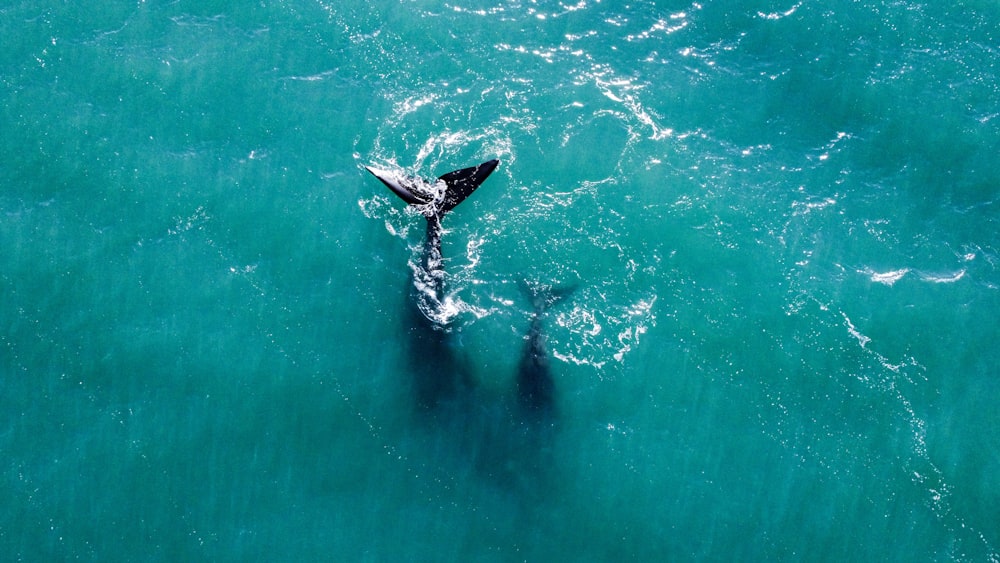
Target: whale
{"x": 535, "y": 385}
{"x": 434, "y": 199}
{"x": 440, "y": 375}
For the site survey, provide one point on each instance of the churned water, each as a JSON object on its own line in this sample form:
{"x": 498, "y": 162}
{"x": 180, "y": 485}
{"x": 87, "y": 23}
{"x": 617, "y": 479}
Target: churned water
{"x": 780, "y": 219}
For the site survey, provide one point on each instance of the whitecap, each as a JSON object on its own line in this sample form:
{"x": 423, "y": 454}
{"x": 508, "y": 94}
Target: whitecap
{"x": 887, "y": 278}
{"x": 943, "y": 278}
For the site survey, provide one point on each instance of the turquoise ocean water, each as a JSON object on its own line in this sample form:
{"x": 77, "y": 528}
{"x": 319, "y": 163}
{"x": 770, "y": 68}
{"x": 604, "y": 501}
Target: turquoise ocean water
{"x": 780, "y": 217}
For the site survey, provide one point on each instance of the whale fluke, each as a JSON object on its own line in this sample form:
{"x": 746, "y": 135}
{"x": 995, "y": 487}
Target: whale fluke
{"x": 438, "y": 197}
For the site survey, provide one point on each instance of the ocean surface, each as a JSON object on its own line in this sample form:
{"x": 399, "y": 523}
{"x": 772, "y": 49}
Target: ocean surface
{"x": 776, "y": 224}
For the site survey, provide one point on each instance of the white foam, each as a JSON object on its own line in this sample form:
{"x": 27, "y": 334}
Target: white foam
{"x": 886, "y": 278}
{"x": 943, "y": 278}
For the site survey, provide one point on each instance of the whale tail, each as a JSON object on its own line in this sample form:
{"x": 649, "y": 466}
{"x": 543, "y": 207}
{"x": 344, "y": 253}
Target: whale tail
{"x": 458, "y": 185}
{"x": 545, "y": 296}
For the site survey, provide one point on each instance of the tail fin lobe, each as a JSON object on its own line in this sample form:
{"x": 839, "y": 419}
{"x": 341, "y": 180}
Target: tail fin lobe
{"x": 461, "y": 183}
{"x": 399, "y": 184}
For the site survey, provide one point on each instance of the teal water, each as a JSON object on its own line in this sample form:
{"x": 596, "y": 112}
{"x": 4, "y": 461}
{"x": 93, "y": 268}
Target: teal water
{"x": 781, "y": 219}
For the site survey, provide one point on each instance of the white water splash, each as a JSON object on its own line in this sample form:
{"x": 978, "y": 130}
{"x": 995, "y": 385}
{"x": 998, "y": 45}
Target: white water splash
{"x": 886, "y": 278}
{"x": 943, "y": 278}
{"x": 862, "y": 339}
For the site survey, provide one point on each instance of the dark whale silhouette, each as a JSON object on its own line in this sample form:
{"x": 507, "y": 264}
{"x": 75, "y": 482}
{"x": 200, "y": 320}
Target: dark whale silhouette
{"x": 439, "y": 374}
{"x": 535, "y": 386}
{"x": 434, "y": 200}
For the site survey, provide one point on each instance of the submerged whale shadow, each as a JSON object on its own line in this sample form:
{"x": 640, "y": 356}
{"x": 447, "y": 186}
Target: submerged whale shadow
{"x": 535, "y": 385}
{"x": 440, "y": 375}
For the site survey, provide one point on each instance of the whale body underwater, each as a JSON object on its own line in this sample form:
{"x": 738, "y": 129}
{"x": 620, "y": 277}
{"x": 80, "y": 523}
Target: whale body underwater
{"x": 441, "y": 376}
